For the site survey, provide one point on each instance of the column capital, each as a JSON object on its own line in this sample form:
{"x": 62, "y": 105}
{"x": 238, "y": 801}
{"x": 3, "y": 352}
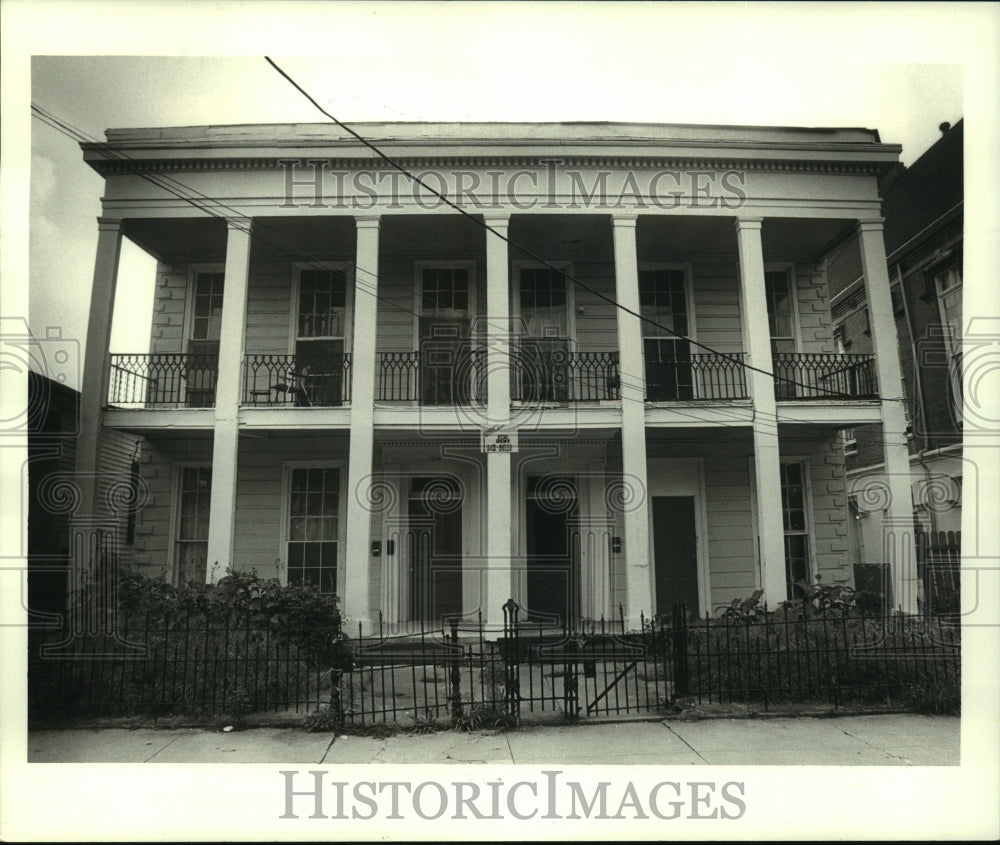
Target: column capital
{"x": 242, "y": 224}
{"x": 624, "y": 221}
{"x": 371, "y": 221}
{"x": 748, "y": 223}
{"x": 109, "y": 224}
{"x": 875, "y": 224}
{"x": 497, "y": 219}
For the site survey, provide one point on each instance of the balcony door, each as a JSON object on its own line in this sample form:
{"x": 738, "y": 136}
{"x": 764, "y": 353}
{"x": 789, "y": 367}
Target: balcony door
{"x": 663, "y": 303}
{"x": 788, "y": 381}
{"x": 543, "y": 371}
{"x": 316, "y": 376}
{"x": 445, "y": 354}
{"x": 201, "y": 366}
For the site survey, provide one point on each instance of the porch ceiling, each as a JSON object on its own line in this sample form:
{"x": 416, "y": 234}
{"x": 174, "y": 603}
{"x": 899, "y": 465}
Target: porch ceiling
{"x": 180, "y": 239}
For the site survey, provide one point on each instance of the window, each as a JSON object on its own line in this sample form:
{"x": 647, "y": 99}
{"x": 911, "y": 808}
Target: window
{"x": 948, "y": 285}
{"x": 320, "y": 337}
{"x": 191, "y": 539}
{"x": 203, "y": 339}
{"x": 793, "y": 511}
{"x": 206, "y": 324}
{"x": 543, "y": 302}
{"x": 780, "y": 313}
{"x": 446, "y": 290}
{"x": 896, "y": 297}
{"x": 445, "y": 350}
{"x": 313, "y": 527}
{"x": 850, "y": 443}
{"x": 663, "y": 300}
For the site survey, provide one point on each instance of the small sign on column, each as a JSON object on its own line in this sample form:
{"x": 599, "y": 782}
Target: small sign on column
{"x": 499, "y": 440}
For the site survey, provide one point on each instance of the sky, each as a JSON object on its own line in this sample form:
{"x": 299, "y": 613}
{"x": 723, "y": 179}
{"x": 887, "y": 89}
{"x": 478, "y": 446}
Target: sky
{"x": 412, "y": 64}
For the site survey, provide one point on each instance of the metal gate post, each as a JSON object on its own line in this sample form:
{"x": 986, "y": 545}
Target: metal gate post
{"x": 456, "y": 675}
{"x": 679, "y": 637}
{"x": 511, "y": 662}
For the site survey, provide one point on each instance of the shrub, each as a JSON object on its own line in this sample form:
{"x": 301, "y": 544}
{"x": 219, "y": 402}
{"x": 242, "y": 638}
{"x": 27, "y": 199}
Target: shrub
{"x": 823, "y": 649}
{"x": 242, "y": 644}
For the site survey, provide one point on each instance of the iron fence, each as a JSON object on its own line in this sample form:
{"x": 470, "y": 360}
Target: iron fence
{"x": 146, "y": 666}
{"x": 297, "y": 381}
{"x": 805, "y": 375}
{"x": 162, "y": 379}
{"x": 468, "y": 673}
{"x": 798, "y": 655}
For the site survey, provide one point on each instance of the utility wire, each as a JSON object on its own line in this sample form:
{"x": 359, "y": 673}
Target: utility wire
{"x": 483, "y": 224}
{"x": 211, "y": 205}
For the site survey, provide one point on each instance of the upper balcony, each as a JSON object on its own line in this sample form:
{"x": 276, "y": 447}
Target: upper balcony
{"x": 433, "y": 332}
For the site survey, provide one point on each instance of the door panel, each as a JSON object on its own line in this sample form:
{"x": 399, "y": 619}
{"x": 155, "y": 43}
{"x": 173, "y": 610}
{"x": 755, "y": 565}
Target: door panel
{"x": 675, "y": 545}
{"x": 668, "y": 369}
{"x": 434, "y": 550}
{"x": 552, "y": 551}
{"x": 445, "y": 361}
{"x": 544, "y": 350}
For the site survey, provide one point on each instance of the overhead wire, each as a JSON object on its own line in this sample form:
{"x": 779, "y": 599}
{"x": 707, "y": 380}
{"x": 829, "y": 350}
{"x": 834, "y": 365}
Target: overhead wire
{"x": 213, "y": 206}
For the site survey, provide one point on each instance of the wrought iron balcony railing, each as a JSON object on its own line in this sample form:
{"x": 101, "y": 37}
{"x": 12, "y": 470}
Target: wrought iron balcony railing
{"x": 822, "y": 375}
{"x": 441, "y": 373}
{"x": 709, "y": 376}
{"x": 548, "y": 371}
{"x": 297, "y": 381}
{"x": 163, "y": 380}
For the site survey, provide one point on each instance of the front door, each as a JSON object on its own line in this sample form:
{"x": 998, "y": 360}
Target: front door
{"x": 434, "y": 549}
{"x": 675, "y": 552}
{"x": 551, "y": 508}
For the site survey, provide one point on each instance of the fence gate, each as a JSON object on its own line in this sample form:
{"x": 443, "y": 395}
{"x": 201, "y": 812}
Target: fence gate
{"x": 596, "y": 670}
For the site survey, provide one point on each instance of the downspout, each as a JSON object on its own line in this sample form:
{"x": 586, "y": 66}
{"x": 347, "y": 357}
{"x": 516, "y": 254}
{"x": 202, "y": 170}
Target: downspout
{"x": 918, "y": 385}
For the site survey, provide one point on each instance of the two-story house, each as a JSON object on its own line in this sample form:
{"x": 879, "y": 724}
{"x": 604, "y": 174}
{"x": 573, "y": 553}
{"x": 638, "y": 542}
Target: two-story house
{"x": 923, "y": 209}
{"x": 609, "y": 379}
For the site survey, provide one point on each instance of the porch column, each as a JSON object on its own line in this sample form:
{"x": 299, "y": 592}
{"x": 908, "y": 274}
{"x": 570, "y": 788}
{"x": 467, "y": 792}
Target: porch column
{"x": 898, "y": 542}
{"x": 226, "y": 439}
{"x": 499, "y": 572}
{"x": 96, "y": 366}
{"x": 638, "y": 578}
{"x": 767, "y": 464}
{"x": 357, "y": 552}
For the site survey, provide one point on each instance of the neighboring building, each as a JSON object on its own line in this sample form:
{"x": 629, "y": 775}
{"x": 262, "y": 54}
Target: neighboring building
{"x": 53, "y": 427}
{"x": 353, "y": 384}
{"x": 923, "y": 211}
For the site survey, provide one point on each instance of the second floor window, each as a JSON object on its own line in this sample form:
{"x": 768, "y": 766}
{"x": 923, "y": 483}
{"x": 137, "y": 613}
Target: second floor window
{"x": 321, "y": 332}
{"x": 663, "y": 304}
{"x": 322, "y": 303}
{"x": 780, "y": 314}
{"x": 949, "y": 296}
{"x": 203, "y": 339}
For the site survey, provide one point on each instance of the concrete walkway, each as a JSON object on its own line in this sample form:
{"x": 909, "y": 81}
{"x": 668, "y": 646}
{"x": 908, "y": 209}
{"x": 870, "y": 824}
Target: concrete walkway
{"x": 883, "y": 740}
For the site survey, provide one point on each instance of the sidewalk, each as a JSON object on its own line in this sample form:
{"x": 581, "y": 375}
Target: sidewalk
{"x": 883, "y": 740}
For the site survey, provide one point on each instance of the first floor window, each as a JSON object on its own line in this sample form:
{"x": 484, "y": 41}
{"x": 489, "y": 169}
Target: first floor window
{"x": 313, "y": 527}
{"x": 191, "y": 541}
{"x": 793, "y": 511}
